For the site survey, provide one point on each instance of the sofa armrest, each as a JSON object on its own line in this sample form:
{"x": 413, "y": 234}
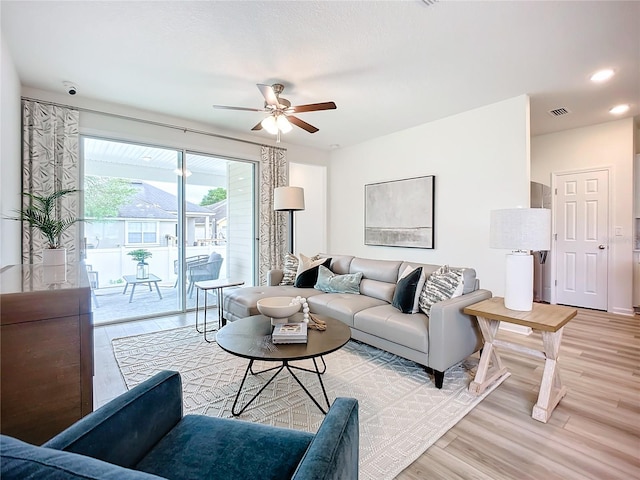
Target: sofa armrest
{"x": 125, "y": 429}
{"x": 333, "y": 453}
{"x": 454, "y": 335}
{"x": 274, "y": 277}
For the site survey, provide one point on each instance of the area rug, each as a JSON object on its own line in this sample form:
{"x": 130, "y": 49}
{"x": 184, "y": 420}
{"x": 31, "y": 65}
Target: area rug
{"x": 401, "y": 412}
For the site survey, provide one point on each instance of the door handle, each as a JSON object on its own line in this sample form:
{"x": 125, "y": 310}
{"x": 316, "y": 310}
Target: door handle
{"x": 601, "y": 247}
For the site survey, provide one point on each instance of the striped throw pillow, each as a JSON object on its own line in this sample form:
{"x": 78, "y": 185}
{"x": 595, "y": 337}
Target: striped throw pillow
{"x": 441, "y": 285}
{"x": 289, "y": 269}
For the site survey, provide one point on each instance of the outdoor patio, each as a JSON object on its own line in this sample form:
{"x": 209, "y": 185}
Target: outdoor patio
{"x": 113, "y": 305}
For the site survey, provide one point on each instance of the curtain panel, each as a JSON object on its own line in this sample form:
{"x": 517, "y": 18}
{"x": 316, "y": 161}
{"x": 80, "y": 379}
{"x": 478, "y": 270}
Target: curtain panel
{"x": 50, "y": 153}
{"x": 272, "y": 244}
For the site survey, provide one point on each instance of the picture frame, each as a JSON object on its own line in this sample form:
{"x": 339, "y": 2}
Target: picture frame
{"x": 400, "y": 213}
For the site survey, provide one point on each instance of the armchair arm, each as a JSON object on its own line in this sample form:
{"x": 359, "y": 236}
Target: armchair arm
{"x": 274, "y": 277}
{"x": 333, "y": 452}
{"x": 125, "y": 429}
{"x": 454, "y": 335}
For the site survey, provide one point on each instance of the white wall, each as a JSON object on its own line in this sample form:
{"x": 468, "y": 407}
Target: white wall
{"x": 10, "y": 158}
{"x": 608, "y": 144}
{"x": 310, "y": 224}
{"x": 481, "y": 162}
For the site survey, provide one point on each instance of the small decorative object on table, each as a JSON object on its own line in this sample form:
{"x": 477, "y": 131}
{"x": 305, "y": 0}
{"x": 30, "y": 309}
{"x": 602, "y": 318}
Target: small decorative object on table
{"x": 279, "y": 309}
{"x": 290, "y": 333}
{"x": 142, "y": 269}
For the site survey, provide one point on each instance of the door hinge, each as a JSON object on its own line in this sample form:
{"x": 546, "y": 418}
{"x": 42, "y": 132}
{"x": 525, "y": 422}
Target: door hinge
{"x": 556, "y": 191}
{"x": 555, "y": 237}
{"x": 556, "y": 283}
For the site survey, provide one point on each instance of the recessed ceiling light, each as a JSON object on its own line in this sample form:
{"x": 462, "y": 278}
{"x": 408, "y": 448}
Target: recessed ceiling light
{"x": 602, "y": 75}
{"x": 619, "y": 109}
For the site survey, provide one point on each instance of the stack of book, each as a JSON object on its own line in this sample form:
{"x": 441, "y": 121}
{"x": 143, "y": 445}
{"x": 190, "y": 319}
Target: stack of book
{"x": 290, "y": 333}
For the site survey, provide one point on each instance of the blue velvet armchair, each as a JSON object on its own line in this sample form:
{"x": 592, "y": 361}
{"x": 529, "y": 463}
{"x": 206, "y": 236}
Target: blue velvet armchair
{"x": 143, "y": 435}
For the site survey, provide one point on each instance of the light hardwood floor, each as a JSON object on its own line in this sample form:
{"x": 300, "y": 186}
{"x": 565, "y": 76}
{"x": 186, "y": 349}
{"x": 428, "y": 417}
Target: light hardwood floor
{"x": 594, "y": 433}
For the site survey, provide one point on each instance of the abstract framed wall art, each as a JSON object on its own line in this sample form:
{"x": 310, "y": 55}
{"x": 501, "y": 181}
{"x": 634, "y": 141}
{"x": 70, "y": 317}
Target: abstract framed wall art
{"x": 400, "y": 213}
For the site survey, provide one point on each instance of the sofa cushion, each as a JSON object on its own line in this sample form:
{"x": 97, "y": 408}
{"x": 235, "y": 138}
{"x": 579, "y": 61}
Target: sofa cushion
{"x": 330, "y": 282}
{"x": 289, "y": 269}
{"x": 404, "y": 296}
{"x": 340, "y": 264}
{"x": 23, "y": 461}
{"x": 308, "y": 271}
{"x": 441, "y": 285}
{"x": 342, "y": 306}
{"x": 385, "y": 321}
{"x": 223, "y": 448}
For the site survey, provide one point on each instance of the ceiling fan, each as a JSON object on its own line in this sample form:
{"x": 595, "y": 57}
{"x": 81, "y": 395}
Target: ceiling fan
{"x": 281, "y": 112}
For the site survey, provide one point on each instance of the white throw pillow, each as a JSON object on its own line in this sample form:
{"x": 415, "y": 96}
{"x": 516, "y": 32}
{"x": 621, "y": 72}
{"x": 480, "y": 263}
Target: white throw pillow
{"x": 305, "y": 263}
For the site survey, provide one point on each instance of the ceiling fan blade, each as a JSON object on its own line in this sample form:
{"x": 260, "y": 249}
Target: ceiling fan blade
{"x": 258, "y": 126}
{"x": 302, "y": 124}
{"x": 246, "y": 109}
{"x": 312, "y": 107}
{"x": 268, "y": 94}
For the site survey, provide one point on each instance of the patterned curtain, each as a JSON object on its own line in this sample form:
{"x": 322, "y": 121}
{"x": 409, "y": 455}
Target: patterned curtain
{"x": 272, "y": 244}
{"x": 49, "y": 163}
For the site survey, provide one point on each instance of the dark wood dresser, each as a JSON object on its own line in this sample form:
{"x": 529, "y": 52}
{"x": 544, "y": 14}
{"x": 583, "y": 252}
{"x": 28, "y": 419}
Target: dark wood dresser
{"x": 46, "y": 350}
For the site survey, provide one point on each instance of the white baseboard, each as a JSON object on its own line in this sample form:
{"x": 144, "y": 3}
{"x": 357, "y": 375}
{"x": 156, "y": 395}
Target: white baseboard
{"x": 623, "y": 311}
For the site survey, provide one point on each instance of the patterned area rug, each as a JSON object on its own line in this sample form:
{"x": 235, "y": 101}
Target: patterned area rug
{"x": 401, "y": 411}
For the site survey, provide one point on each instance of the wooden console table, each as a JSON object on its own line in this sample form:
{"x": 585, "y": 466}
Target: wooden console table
{"x": 46, "y": 349}
{"x": 549, "y": 320}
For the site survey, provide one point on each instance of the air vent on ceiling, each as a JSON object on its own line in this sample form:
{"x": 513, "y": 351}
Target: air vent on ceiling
{"x": 558, "y": 112}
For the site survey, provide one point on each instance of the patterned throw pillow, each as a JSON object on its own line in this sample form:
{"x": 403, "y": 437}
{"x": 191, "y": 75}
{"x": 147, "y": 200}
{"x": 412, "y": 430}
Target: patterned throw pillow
{"x": 289, "y": 269}
{"x": 441, "y": 285}
{"x": 330, "y": 282}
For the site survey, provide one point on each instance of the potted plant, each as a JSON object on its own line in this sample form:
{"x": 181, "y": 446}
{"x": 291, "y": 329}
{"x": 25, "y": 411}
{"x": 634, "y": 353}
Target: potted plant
{"x": 141, "y": 254}
{"x": 41, "y": 215}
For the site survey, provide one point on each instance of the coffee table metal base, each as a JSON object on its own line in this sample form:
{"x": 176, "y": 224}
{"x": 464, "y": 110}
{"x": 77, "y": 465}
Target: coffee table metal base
{"x": 278, "y": 369}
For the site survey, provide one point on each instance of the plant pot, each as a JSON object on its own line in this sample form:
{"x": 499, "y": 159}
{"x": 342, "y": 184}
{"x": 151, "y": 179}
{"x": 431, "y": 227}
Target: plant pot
{"x": 142, "y": 270}
{"x": 54, "y": 256}
{"x": 52, "y": 274}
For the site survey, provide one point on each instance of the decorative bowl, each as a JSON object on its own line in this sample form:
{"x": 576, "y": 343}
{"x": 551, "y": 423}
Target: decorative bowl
{"x": 278, "y": 308}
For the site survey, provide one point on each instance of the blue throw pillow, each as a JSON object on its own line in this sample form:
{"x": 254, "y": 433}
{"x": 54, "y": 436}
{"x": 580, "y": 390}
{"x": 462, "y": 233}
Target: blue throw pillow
{"x": 403, "y": 297}
{"x": 330, "y": 282}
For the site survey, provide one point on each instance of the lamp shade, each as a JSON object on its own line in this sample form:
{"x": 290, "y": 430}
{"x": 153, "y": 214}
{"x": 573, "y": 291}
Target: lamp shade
{"x": 288, "y": 198}
{"x": 521, "y": 229}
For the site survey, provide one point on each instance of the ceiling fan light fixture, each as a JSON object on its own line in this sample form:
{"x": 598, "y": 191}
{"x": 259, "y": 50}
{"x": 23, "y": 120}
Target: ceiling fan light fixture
{"x": 270, "y": 125}
{"x": 283, "y": 124}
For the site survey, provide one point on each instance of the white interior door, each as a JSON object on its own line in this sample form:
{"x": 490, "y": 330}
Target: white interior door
{"x": 581, "y": 225}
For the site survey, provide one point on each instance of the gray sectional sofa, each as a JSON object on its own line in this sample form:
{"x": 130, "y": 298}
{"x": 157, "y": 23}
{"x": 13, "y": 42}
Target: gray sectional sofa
{"x": 437, "y": 341}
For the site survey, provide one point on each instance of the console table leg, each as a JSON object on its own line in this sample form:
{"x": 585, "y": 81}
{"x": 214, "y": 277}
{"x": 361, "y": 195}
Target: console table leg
{"x": 551, "y": 388}
{"x": 487, "y": 373}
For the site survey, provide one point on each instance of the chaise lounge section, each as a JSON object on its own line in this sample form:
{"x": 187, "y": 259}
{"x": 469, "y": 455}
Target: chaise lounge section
{"x": 437, "y": 341}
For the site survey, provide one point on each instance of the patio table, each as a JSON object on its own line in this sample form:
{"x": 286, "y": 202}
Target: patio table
{"x": 131, "y": 279}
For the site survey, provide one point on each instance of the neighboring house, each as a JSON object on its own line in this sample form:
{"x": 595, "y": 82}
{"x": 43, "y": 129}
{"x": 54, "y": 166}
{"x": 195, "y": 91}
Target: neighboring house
{"x": 213, "y": 228}
{"x": 149, "y": 218}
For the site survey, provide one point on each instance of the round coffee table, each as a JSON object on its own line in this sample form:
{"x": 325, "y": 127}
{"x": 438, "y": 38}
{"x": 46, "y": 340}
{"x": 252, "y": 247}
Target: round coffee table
{"x": 251, "y": 338}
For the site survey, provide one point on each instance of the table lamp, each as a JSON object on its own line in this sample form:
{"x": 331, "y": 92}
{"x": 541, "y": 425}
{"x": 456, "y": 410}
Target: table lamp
{"x": 289, "y": 199}
{"x": 521, "y": 230}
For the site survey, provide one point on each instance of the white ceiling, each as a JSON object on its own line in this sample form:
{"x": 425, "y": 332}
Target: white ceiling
{"x": 388, "y": 65}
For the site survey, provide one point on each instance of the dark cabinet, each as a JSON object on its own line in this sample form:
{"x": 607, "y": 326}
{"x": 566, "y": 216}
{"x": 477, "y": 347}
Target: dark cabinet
{"x": 46, "y": 350}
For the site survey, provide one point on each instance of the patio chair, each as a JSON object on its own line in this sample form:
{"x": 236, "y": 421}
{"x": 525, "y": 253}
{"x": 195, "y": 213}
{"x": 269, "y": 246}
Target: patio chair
{"x": 206, "y": 271}
{"x": 190, "y": 262}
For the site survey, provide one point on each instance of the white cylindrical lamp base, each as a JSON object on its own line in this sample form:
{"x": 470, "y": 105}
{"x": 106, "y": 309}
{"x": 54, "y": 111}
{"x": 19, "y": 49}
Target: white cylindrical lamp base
{"x": 518, "y": 292}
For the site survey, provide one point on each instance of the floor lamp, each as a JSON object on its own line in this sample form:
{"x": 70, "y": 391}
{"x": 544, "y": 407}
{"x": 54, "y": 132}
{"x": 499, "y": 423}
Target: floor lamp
{"x": 521, "y": 230}
{"x": 288, "y": 199}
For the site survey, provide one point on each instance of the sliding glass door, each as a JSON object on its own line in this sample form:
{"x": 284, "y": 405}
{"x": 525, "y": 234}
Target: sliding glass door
{"x": 158, "y": 220}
